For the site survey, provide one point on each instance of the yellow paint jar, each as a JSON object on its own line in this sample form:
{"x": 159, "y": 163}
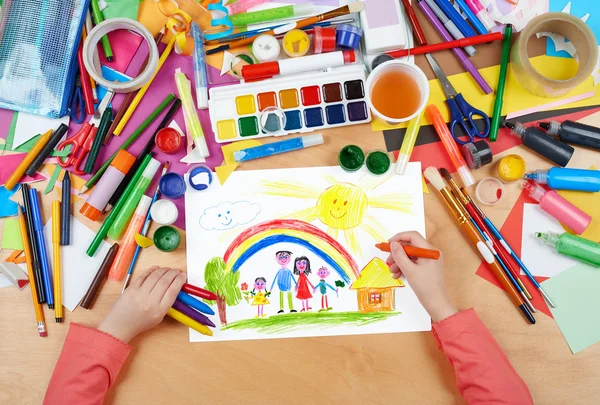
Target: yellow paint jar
{"x": 296, "y": 43}
{"x": 511, "y": 168}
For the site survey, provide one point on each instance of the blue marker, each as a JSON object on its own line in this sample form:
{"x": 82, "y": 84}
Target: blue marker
{"x": 471, "y": 17}
{"x": 194, "y": 303}
{"x": 38, "y": 226}
{"x": 559, "y": 178}
{"x": 199, "y": 68}
{"x": 276, "y": 148}
{"x": 455, "y": 16}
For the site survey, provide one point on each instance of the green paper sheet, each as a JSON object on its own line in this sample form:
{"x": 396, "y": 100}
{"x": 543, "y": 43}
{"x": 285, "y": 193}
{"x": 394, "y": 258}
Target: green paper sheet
{"x": 52, "y": 180}
{"x": 11, "y": 236}
{"x": 575, "y": 293}
{"x": 11, "y": 132}
{"x": 26, "y": 147}
{"x": 121, "y": 8}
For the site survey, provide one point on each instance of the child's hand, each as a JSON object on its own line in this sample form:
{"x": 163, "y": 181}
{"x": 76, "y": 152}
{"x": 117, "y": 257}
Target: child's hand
{"x": 425, "y": 276}
{"x": 144, "y": 303}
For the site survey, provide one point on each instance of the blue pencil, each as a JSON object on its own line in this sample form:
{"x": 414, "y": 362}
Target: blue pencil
{"x": 38, "y": 226}
{"x": 194, "y": 303}
{"x": 471, "y": 17}
{"x": 456, "y": 18}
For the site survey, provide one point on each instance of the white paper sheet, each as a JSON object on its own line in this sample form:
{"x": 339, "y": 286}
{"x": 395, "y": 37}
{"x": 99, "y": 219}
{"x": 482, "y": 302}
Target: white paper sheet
{"x": 541, "y": 259}
{"x": 310, "y": 198}
{"x": 30, "y": 125}
{"x": 77, "y": 269}
{"x": 4, "y": 281}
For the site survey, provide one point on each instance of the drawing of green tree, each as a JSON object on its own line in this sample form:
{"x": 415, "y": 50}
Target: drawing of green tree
{"x": 224, "y": 283}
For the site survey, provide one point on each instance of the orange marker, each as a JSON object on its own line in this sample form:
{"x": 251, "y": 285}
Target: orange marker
{"x": 412, "y": 251}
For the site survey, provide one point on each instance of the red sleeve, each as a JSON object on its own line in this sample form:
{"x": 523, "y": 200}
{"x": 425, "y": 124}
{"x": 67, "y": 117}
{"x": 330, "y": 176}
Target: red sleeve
{"x": 484, "y": 374}
{"x": 87, "y": 367}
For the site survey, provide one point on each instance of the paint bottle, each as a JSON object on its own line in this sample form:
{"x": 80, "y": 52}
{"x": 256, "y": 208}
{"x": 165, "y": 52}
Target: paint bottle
{"x": 573, "y": 246}
{"x": 107, "y": 185}
{"x": 561, "y": 209}
{"x": 574, "y": 132}
{"x": 559, "y": 178}
{"x": 541, "y": 143}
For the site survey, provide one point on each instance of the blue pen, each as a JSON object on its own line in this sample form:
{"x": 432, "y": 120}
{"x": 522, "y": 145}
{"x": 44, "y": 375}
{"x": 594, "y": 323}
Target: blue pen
{"x": 38, "y": 226}
{"x": 455, "y": 16}
{"x": 276, "y": 148}
{"x": 194, "y": 303}
{"x": 199, "y": 68}
{"x": 471, "y": 17}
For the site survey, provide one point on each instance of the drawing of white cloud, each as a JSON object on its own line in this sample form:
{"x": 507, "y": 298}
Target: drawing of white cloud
{"x": 228, "y": 215}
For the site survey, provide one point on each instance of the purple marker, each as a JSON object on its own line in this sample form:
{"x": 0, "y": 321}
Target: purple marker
{"x": 459, "y": 52}
{"x": 195, "y": 315}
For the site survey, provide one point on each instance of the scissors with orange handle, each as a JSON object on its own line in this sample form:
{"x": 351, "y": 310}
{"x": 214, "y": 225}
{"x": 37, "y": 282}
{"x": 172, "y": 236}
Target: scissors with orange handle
{"x": 82, "y": 141}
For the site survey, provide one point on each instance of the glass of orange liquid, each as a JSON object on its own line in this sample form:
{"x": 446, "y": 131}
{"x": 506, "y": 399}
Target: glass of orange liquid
{"x": 397, "y": 91}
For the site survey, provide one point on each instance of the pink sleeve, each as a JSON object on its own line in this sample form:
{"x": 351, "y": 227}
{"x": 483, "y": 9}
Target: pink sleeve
{"x": 484, "y": 374}
{"x": 87, "y": 367}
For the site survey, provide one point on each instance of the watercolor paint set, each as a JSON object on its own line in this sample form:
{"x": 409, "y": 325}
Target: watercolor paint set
{"x": 292, "y": 104}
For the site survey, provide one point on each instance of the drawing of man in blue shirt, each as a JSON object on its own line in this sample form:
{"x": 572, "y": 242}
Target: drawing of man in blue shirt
{"x": 284, "y": 278}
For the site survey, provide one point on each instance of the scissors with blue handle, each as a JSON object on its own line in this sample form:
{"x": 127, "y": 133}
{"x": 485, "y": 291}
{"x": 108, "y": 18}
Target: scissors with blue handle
{"x": 461, "y": 112}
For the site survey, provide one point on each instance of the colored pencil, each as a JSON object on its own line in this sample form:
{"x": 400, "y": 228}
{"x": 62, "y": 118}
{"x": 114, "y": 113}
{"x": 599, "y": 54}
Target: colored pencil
{"x": 195, "y": 303}
{"x": 14, "y": 178}
{"x": 192, "y": 313}
{"x": 497, "y": 112}
{"x": 412, "y": 251}
{"x": 35, "y": 257}
{"x": 189, "y": 322}
{"x": 201, "y": 292}
{"x": 65, "y": 214}
{"x": 58, "y": 307}
{"x": 95, "y": 149}
{"x": 37, "y": 307}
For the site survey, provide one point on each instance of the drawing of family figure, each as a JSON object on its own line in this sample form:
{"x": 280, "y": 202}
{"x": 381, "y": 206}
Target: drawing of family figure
{"x": 259, "y": 294}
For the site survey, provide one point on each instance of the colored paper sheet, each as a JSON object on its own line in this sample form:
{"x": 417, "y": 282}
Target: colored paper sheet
{"x": 8, "y": 164}
{"x": 517, "y": 13}
{"x": 26, "y": 147}
{"x": 590, "y": 204}
{"x": 121, "y": 8}
{"x": 541, "y": 259}
{"x": 77, "y": 182}
{"x": 52, "y": 179}
{"x": 575, "y": 293}
{"x": 10, "y": 135}
{"x": 550, "y": 106}
{"x": 8, "y": 208}
{"x": 578, "y": 8}
{"x": 77, "y": 268}
{"x": 11, "y": 235}
{"x": 6, "y": 117}
{"x": 112, "y": 75}
{"x": 4, "y": 282}
{"x": 124, "y": 45}
{"x": 516, "y": 97}
{"x": 29, "y": 125}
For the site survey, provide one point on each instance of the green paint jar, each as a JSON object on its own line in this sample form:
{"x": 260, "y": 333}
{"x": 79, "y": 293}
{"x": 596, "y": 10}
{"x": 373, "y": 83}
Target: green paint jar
{"x": 351, "y": 158}
{"x": 378, "y": 162}
{"x": 166, "y": 238}
{"x": 579, "y": 248}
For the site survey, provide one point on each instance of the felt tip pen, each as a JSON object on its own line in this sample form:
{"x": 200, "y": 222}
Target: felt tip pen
{"x": 199, "y": 68}
{"x": 499, "y": 101}
{"x": 408, "y": 143}
{"x": 450, "y": 26}
{"x": 411, "y": 251}
{"x": 65, "y": 213}
{"x": 414, "y": 23}
{"x": 471, "y": 17}
{"x": 38, "y": 279}
{"x": 560, "y": 178}
{"x": 298, "y": 65}
{"x": 455, "y": 16}
{"x": 276, "y": 148}
{"x": 194, "y": 303}
{"x": 58, "y": 306}
{"x": 38, "y": 225}
{"x": 574, "y": 132}
{"x": 481, "y": 13}
{"x": 447, "y": 44}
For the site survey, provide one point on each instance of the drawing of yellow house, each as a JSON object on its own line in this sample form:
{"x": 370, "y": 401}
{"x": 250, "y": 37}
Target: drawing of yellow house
{"x": 375, "y": 287}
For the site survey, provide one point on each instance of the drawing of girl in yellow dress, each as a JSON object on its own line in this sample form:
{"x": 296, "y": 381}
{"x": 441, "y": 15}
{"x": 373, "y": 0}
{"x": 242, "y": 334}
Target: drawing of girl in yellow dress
{"x": 260, "y": 294}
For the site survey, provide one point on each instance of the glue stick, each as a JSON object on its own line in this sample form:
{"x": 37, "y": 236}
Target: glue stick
{"x": 125, "y": 253}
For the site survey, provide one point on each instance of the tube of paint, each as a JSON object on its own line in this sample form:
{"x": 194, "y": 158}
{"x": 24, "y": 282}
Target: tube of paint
{"x": 541, "y": 143}
{"x": 276, "y": 148}
{"x": 192, "y": 122}
{"x": 199, "y": 68}
{"x": 561, "y": 209}
{"x": 560, "y": 178}
{"x": 107, "y": 185}
{"x": 125, "y": 253}
{"x": 573, "y": 246}
{"x": 133, "y": 199}
{"x": 574, "y": 132}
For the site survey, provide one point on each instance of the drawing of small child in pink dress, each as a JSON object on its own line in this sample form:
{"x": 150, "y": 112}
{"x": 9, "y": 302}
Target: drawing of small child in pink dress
{"x": 302, "y": 269}
{"x": 260, "y": 294}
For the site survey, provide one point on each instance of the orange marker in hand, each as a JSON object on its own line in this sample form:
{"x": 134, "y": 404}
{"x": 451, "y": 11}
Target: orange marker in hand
{"x": 412, "y": 251}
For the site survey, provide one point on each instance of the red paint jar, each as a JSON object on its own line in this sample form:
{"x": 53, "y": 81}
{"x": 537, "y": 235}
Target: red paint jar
{"x": 323, "y": 39}
{"x": 169, "y": 140}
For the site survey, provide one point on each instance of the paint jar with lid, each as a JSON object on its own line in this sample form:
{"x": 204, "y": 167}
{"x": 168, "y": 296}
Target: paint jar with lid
{"x": 489, "y": 191}
{"x": 200, "y": 177}
{"x": 166, "y": 238}
{"x": 324, "y": 39}
{"x": 172, "y": 185}
{"x": 477, "y": 154}
{"x": 348, "y": 36}
{"x": 169, "y": 140}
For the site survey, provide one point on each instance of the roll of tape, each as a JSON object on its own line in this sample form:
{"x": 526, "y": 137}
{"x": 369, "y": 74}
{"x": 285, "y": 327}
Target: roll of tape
{"x": 572, "y": 28}
{"x": 95, "y": 71}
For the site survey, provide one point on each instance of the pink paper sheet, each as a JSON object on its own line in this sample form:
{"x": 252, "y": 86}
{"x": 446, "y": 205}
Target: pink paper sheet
{"x": 8, "y": 164}
{"x": 124, "y": 45}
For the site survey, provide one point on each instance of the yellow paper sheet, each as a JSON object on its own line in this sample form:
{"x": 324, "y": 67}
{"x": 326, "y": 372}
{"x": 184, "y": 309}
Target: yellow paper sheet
{"x": 516, "y": 98}
{"x": 590, "y": 204}
{"x": 77, "y": 183}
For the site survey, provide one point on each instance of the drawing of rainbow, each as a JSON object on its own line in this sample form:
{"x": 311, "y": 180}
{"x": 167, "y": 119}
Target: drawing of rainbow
{"x": 266, "y": 234}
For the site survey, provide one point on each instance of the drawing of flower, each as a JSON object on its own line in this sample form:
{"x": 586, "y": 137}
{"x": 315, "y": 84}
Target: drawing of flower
{"x": 244, "y": 287}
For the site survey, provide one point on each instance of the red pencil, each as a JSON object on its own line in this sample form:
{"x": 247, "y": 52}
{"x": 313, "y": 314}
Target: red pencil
{"x": 412, "y": 251}
{"x": 412, "y": 17}
{"x": 199, "y": 292}
{"x": 458, "y": 43}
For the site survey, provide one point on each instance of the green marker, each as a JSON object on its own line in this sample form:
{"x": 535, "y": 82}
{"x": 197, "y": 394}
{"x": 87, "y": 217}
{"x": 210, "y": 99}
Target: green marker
{"x": 497, "y": 113}
{"x": 271, "y": 14}
{"x": 579, "y": 248}
{"x": 97, "y": 16}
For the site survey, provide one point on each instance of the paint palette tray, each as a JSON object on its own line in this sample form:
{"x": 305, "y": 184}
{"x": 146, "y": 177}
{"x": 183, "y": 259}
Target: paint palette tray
{"x": 310, "y": 101}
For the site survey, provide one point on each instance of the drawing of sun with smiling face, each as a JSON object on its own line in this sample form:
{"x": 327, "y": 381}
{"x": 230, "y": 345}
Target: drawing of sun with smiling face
{"x": 343, "y": 206}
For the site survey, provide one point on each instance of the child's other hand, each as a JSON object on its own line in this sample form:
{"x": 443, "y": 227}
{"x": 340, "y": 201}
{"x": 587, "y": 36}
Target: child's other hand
{"x": 144, "y": 303}
{"x": 425, "y": 276}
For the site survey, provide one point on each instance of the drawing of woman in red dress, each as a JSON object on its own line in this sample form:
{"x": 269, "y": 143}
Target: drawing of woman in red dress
{"x": 303, "y": 293}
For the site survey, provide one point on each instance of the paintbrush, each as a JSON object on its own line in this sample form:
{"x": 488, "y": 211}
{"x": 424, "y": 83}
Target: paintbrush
{"x": 435, "y": 178}
{"x": 355, "y": 7}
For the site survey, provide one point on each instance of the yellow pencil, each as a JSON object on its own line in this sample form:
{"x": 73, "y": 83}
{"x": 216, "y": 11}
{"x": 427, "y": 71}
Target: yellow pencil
{"x": 20, "y": 170}
{"x": 141, "y": 92}
{"x": 37, "y": 307}
{"x": 189, "y": 322}
{"x": 58, "y": 307}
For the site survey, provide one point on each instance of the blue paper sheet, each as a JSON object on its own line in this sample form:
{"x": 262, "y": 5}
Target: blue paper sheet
{"x": 113, "y": 76}
{"x": 8, "y": 208}
{"x": 579, "y": 8}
